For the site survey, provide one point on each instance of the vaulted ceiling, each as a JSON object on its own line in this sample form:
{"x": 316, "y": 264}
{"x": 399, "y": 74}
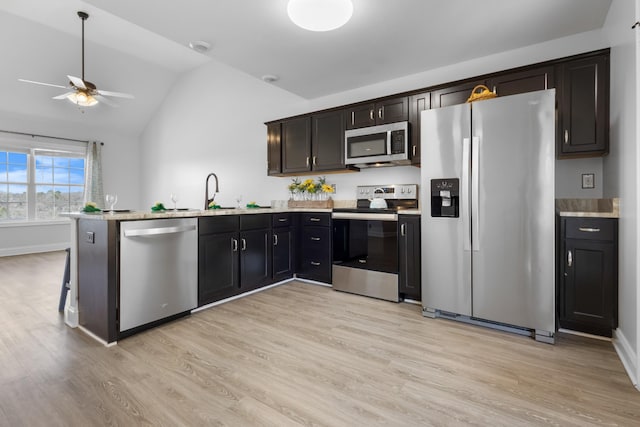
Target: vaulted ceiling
{"x": 141, "y": 46}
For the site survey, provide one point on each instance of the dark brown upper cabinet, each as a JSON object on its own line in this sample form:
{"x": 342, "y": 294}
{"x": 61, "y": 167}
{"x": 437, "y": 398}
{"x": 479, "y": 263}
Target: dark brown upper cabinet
{"x": 296, "y": 145}
{"x": 583, "y": 107}
{"x": 417, "y": 104}
{"x": 274, "y": 149}
{"x": 377, "y": 113}
{"x": 327, "y": 141}
{"x": 453, "y": 95}
{"x": 524, "y": 81}
{"x": 309, "y": 143}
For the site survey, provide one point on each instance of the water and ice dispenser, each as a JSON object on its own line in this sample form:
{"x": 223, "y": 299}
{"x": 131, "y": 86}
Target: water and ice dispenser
{"x": 445, "y": 197}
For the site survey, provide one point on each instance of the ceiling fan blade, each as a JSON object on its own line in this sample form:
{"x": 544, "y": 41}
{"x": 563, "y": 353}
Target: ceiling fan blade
{"x": 43, "y": 84}
{"x": 116, "y": 94}
{"x": 63, "y": 96}
{"x": 105, "y": 100}
{"x": 77, "y": 82}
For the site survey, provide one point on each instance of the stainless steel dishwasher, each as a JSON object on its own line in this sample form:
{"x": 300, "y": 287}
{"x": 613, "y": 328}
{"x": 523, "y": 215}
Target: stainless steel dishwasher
{"x": 158, "y": 270}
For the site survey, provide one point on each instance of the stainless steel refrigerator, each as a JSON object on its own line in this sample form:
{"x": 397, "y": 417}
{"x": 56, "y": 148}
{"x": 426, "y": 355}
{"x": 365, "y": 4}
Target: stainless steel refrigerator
{"x": 487, "y": 201}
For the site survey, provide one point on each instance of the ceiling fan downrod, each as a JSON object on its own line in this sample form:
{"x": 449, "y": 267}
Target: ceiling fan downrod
{"x": 84, "y": 16}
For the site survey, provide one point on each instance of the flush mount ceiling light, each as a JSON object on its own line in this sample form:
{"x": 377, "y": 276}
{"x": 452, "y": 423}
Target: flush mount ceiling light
{"x": 200, "y": 46}
{"x": 320, "y": 15}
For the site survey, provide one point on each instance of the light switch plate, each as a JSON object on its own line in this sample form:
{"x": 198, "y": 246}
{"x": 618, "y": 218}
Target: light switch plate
{"x": 91, "y": 237}
{"x": 588, "y": 180}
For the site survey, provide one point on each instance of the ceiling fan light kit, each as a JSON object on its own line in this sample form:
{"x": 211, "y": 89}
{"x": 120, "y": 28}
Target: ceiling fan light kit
{"x": 320, "y": 15}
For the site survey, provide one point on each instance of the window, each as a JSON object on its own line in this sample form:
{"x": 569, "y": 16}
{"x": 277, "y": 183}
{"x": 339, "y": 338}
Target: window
{"x": 38, "y": 184}
{"x": 13, "y": 185}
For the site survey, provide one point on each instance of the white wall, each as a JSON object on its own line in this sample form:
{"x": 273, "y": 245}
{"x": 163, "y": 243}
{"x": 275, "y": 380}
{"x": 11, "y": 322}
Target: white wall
{"x": 621, "y": 171}
{"x": 120, "y": 172}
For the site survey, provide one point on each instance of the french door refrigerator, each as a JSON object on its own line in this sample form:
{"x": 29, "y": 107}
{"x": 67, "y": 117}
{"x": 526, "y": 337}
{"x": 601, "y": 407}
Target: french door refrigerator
{"x": 488, "y": 208}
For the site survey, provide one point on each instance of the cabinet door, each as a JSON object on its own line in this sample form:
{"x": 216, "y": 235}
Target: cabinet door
{"x": 274, "y": 152}
{"x": 296, "y": 145}
{"x": 283, "y": 262}
{"x": 255, "y": 259}
{"x": 217, "y": 267}
{"x": 417, "y": 104}
{"x": 589, "y": 280}
{"x": 583, "y": 107}
{"x": 409, "y": 257}
{"x": 361, "y": 115}
{"x": 315, "y": 254}
{"x": 392, "y": 110}
{"x": 327, "y": 141}
{"x": 453, "y": 95}
{"x": 522, "y": 81}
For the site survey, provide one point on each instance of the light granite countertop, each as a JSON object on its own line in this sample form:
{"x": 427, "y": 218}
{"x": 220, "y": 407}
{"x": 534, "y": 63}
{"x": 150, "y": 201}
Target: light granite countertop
{"x": 170, "y": 213}
{"x": 277, "y": 206}
{"x": 594, "y": 208}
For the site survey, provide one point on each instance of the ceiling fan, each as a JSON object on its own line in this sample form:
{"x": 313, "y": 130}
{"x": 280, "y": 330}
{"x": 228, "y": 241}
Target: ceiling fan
{"x": 84, "y": 93}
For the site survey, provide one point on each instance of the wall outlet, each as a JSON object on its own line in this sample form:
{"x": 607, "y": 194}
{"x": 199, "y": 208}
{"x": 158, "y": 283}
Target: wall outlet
{"x": 588, "y": 180}
{"x": 90, "y": 237}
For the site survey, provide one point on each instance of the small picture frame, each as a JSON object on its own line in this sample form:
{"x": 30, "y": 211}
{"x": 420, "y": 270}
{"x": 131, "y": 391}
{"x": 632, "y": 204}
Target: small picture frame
{"x": 588, "y": 180}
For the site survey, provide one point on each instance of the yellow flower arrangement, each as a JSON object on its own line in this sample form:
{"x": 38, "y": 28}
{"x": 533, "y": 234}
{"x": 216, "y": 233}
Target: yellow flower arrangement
{"x": 309, "y": 188}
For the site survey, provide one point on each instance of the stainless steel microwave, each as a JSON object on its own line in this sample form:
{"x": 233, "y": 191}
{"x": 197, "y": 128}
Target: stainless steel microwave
{"x": 382, "y": 145}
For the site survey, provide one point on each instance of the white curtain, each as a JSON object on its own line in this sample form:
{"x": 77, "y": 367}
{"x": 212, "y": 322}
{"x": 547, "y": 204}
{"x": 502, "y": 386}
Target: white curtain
{"x": 93, "y": 191}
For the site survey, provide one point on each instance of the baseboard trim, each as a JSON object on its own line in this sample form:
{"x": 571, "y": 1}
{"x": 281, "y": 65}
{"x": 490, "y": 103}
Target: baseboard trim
{"x": 627, "y": 356}
{"x": 24, "y": 250}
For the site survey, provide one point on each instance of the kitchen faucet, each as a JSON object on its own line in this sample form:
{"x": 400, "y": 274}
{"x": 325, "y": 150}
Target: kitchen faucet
{"x": 208, "y": 200}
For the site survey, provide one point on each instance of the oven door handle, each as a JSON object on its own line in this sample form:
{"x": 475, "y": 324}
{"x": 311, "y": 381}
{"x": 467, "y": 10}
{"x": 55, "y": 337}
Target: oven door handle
{"x": 365, "y": 216}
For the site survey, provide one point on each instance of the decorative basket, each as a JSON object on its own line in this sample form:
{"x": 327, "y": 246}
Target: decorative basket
{"x": 317, "y": 204}
{"x": 480, "y": 93}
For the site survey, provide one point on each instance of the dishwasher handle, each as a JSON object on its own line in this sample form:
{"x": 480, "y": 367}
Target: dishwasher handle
{"x": 148, "y": 232}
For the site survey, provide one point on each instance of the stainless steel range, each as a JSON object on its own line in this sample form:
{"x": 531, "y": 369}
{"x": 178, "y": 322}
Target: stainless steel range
{"x": 365, "y": 241}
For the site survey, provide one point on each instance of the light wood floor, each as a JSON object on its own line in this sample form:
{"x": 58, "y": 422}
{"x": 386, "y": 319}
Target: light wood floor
{"x": 296, "y": 354}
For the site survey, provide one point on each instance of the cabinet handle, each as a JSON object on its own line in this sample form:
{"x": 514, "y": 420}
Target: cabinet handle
{"x": 244, "y": 245}
{"x": 362, "y": 261}
{"x": 314, "y": 160}
{"x": 380, "y": 112}
{"x": 234, "y": 245}
{"x": 275, "y": 240}
{"x": 315, "y": 263}
{"x": 589, "y": 229}
{"x": 307, "y": 161}
{"x": 314, "y": 219}
{"x": 353, "y": 118}
{"x": 371, "y": 115}
{"x": 282, "y": 219}
{"x": 495, "y": 90}
{"x": 403, "y": 229}
{"x": 315, "y": 239}
{"x": 566, "y": 136}
{"x": 413, "y": 153}
{"x": 569, "y": 259}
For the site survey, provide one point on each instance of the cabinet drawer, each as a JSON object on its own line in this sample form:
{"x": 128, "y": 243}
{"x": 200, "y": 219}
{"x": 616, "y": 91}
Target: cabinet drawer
{"x": 318, "y": 238}
{"x": 218, "y": 224}
{"x": 255, "y": 221}
{"x": 590, "y": 228}
{"x": 316, "y": 219}
{"x": 281, "y": 220}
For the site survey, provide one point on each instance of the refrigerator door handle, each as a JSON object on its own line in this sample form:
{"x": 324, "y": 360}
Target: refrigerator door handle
{"x": 464, "y": 194}
{"x": 475, "y": 193}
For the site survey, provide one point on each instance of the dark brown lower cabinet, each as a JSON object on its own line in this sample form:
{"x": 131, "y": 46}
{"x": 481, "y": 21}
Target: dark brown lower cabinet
{"x": 409, "y": 257}
{"x": 315, "y": 260}
{"x": 588, "y": 291}
{"x": 218, "y": 260}
{"x": 234, "y": 255}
